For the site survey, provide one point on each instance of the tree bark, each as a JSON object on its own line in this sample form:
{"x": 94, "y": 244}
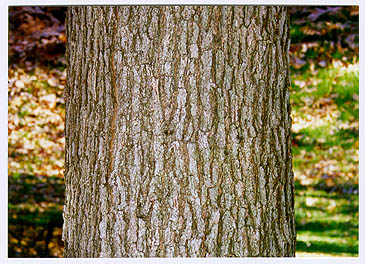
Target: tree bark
{"x": 178, "y": 138}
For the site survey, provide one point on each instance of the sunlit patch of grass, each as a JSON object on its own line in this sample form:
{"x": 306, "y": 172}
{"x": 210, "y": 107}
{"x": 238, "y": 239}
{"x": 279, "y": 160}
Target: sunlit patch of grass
{"x": 347, "y": 82}
{"x": 336, "y": 79}
{"x": 327, "y": 136}
{"x": 303, "y": 254}
{"x": 340, "y": 80}
{"x": 332, "y": 89}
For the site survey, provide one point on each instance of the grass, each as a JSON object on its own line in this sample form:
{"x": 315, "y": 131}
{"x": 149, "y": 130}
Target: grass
{"x": 325, "y": 112}
{"x": 326, "y": 222}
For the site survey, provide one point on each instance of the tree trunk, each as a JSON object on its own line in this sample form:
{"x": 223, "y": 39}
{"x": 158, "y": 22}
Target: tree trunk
{"x": 178, "y": 137}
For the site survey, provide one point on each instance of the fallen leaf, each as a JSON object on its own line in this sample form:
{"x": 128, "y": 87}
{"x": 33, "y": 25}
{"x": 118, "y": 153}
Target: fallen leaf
{"x": 19, "y": 84}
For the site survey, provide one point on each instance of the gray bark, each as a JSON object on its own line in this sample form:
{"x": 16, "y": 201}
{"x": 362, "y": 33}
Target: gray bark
{"x": 178, "y": 135}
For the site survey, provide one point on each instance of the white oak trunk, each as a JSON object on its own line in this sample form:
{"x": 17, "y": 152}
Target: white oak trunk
{"x": 178, "y": 137}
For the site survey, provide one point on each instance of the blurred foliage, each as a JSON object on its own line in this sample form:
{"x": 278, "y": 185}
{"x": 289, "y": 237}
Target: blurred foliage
{"x": 321, "y": 35}
{"x": 36, "y": 117}
{"x": 327, "y": 221}
{"x": 36, "y": 113}
{"x": 35, "y": 217}
{"x": 36, "y": 33}
{"x": 36, "y": 110}
{"x": 325, "y": 113}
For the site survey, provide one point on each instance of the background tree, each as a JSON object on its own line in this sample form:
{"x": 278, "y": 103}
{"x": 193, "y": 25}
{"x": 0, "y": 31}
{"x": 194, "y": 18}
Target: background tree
{"x": 178, "y": 132}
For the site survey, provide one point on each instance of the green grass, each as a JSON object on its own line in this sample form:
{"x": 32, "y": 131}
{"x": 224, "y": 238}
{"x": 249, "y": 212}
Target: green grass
{"x": 326, "y": 105}
{"x": 325, "y": 151}
{"x": 337, "y": 81}
{"x": 326, "y": 222}
{"x": 325, "y": 137}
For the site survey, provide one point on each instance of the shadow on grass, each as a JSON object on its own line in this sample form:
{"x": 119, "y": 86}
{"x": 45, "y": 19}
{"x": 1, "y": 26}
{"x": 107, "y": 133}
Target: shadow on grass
{"x": 329, "y": 229}
{"x": 35, "y": 216}
{"x": 327, "y": 221}
{"x": 325, "y": 247}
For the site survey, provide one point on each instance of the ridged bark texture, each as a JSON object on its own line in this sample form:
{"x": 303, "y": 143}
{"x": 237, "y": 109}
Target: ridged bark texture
{"x": 178, "y": 135}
